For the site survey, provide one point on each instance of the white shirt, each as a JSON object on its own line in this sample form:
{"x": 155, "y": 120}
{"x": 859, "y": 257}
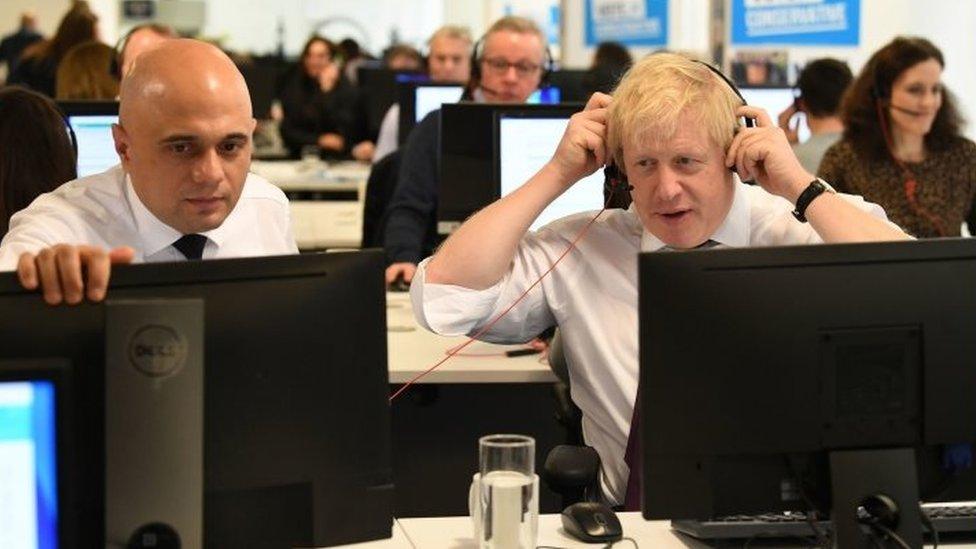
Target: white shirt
{"x": 103, "y": 210}
{"x": 592, "y": 296}
{"x": 389, "y": 137}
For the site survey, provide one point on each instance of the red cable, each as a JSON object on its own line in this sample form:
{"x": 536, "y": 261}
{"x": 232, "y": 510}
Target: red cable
{"x": 454, "y": 352}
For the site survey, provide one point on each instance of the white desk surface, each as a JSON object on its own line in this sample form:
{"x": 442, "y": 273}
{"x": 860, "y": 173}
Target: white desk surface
{"x": 299, "y": 175}
{"x": 412, "y": 350}
{"x": 456, "y": 533}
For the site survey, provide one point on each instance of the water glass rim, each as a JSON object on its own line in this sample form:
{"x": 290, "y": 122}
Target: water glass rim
{"x": 506, "y": 441}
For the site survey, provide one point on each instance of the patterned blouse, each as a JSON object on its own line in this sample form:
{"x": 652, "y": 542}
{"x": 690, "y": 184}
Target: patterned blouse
{"x": 946, "y": 186}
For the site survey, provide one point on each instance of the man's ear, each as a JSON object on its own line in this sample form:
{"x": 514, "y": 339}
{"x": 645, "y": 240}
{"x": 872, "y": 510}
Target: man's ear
{"x": 121, "y": 139}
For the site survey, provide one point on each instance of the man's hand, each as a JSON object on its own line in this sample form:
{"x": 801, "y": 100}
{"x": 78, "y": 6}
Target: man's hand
{"x": 790, "y": 123}
{"x": 394, "y": 271}
{"x": 70, "y": 273}
{"x": 364, "y": 151}
{"x": 763, "y": 154}
{"x": 331, "y": 142}
{"x": 582, "y": 149}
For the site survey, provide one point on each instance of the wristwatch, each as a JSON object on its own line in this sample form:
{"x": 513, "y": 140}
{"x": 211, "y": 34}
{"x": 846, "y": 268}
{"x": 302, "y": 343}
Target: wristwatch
{"x": 814, "y": 189}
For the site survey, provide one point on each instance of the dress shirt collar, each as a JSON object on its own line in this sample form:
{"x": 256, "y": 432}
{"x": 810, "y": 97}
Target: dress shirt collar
{"x": 156, "y": 235}
{"x": 733, "y": 232}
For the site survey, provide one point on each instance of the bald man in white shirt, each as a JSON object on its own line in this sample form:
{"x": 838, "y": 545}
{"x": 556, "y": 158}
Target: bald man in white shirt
{"x": 672, "y": 128}
{"x": 182, "y": 190}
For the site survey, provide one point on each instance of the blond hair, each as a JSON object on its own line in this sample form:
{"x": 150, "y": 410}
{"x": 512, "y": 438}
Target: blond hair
{"x": 455, "y": 32}
{"x": 86, "y": 73}
{"x": 519, "y": 25}
{"x": 654, "y": 94}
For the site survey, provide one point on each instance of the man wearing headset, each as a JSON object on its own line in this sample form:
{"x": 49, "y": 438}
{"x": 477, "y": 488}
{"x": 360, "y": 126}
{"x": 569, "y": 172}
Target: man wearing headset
{"x": 507, "y": 69}
{"x": 672, "y": 129}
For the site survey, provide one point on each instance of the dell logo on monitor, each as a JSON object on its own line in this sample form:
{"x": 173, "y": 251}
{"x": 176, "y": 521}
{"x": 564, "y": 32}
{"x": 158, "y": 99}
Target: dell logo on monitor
{"x": 157, "y": 351}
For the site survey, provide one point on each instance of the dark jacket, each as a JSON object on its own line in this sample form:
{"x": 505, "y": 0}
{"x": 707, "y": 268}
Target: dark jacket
{"x": 37, "y": 73}
{"x": 309, "y": 112}
{"x": 13, "y": 45}
{"x": 411, "y": 220}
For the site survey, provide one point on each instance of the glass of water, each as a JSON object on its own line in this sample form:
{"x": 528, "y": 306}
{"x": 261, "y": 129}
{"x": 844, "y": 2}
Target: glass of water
{"x": 508, "y": 490}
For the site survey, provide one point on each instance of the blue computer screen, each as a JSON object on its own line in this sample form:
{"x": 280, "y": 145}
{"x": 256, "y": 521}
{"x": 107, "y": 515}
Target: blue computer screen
{"x": 28, "y": 466}
{"x": 96, "y": 148}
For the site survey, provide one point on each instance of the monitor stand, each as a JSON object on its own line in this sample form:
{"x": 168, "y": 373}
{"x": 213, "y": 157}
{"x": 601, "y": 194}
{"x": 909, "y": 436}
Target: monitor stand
{"x": 858, "y": 478}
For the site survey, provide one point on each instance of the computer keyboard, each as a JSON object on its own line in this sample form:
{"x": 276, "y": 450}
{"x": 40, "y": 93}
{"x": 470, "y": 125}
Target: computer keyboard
{"x": 945, "y": 517}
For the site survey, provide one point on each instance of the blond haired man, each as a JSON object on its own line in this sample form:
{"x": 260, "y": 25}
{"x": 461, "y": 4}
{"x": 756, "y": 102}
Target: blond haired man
{"x": 672, "y": 128}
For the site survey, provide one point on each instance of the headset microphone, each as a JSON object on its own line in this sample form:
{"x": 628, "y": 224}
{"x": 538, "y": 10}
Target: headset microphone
{"x": 904, "y": 110}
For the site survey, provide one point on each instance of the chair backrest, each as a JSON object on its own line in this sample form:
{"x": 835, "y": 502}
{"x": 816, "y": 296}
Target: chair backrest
{"x": 557, "y": 358}
{"x": 380, "y": 185}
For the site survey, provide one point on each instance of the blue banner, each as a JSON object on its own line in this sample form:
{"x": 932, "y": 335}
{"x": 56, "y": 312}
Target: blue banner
{"x": 796, "y": 22}
{"x": 630, "y": 22}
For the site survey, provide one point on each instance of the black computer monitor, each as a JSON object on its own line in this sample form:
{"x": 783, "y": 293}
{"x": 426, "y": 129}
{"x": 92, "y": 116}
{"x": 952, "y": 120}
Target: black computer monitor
{"x": 570, "y": 84}
{"x": 378, "y": 86}
{"x": 467, "y": 166}
{"x": 810, "y": 376}
{"x": 418, "y": 99}
{"x": 525, "y": 139}
{"x": 296, "y": 442}
{"x": 91, "y": 124}
{"x": 35, "y": 444}
{"x": 263, "y": 75}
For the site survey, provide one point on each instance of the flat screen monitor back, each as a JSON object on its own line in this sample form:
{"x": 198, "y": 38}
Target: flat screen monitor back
{"x": 379, "y": 88}
{"x": 467, "y": 166}
{"x": 756, "y": 364}
{"x": 296, "y": 426}
{"x": 570, "y": 84}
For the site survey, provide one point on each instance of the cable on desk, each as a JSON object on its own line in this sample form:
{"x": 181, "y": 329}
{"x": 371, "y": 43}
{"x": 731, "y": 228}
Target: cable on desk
{"x": 483, "y": 330}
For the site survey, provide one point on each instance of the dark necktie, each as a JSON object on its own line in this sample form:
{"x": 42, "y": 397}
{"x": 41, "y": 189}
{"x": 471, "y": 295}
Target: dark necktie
{"x": 191, "y": 245}
{"x": 632, "y": 454}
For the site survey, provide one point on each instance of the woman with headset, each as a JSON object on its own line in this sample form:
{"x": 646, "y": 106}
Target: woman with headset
{"x": 36, "y": 154}
{"x": 902, "y": 146}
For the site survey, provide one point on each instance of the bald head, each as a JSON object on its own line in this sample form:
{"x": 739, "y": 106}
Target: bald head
{"x": 184, "y": 133}
{"x": 28, "y": 20}
{"x": 178, "y": 74}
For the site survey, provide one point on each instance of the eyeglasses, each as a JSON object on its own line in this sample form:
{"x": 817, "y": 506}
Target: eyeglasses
{"x": 501, "y": 66}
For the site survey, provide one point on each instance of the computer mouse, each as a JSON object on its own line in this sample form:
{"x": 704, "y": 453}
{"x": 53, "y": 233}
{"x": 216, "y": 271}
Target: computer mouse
{"x": 399, "y": 285}
{"x": 592, "y": 522}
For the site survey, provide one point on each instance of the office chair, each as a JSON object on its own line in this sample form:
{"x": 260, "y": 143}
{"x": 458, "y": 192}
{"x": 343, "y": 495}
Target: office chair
{"x": 571, "y": 470}
{"x": 380, "y": 185}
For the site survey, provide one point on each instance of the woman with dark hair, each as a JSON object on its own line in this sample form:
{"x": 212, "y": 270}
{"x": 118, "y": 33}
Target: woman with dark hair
{"x": 902, "y": 147}
{"x": 39, "y": 65}
{"x": 36, "y": 155}
{"x": 319, "y": 106}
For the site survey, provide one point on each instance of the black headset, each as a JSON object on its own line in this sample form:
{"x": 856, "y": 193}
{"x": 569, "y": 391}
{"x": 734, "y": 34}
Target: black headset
{"x": 615, "y": 181}
{"x": 548, "y": 65}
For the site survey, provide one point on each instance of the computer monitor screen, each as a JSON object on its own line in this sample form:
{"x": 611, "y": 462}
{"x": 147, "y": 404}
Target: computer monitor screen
{"x": 764, "y": 370}
{"x": 296, "y": 416}
{"x": 28, "y": 465}
{"x": 775, "y": 101}
{"x": 33, "y": 427}
{"x": 429, "y": 98}
{"x": 469, "y": 173}
{"x": 547, "y": 95}
{"x": 91, "y": 122}
{"x": 526, "y": 141}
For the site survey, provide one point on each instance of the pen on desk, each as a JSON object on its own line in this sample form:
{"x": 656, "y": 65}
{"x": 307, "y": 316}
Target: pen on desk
{"x": 522, "y": 352}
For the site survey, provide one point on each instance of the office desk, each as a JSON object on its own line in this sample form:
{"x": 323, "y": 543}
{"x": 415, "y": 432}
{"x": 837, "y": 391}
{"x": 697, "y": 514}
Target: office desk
{"x": 456, "y": 533}
{"x": 437, "y": 422}
{"x": 412, "y": 350}
{"x": 326, "y": 200}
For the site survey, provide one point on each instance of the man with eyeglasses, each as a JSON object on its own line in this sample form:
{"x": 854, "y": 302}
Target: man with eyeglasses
{"x": 509, "y": 68}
